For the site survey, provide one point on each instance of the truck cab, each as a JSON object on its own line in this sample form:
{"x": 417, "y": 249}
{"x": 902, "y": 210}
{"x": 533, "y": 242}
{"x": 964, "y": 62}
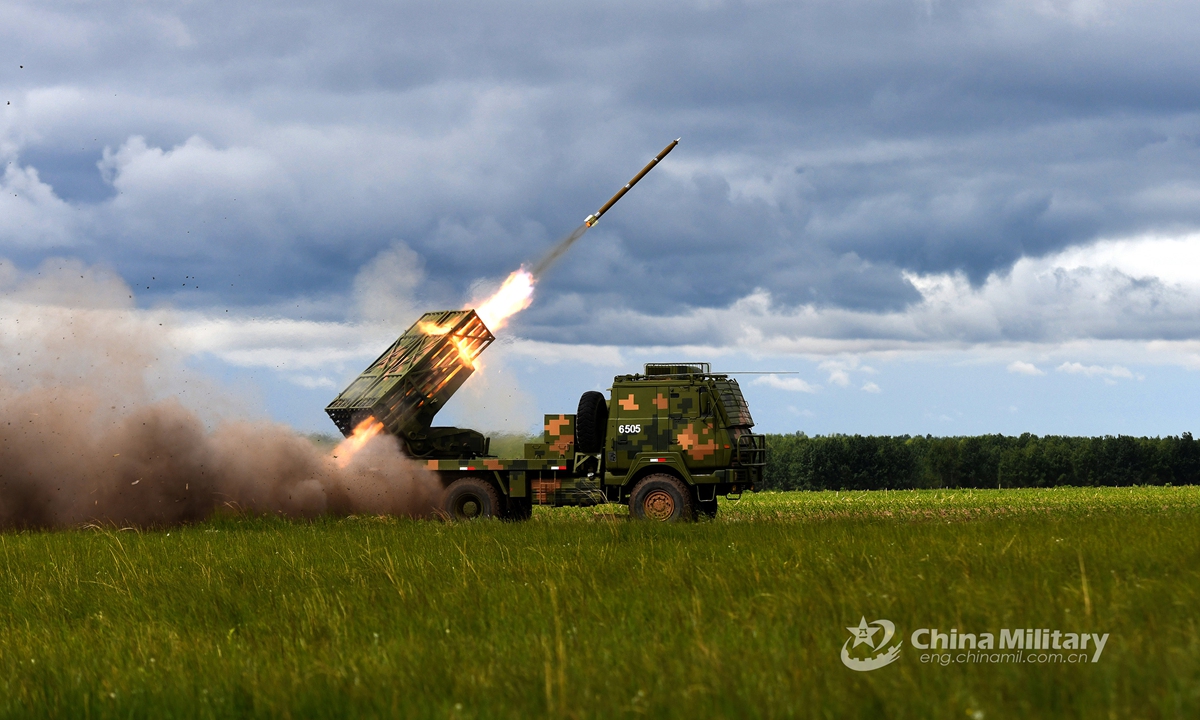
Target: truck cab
{"x": 683, "y": 425}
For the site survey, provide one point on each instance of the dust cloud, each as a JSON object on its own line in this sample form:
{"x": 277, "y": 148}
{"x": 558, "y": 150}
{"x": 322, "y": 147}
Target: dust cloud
{"x": 101, "y": 421}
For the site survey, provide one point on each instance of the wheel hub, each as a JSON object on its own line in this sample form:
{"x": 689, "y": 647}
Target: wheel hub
{"x": 469, "y": 508}
{"x": 659, "y": 505}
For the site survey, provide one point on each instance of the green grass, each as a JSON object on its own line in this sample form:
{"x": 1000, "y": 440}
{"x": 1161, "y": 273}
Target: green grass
{"x": 583, "y": 613}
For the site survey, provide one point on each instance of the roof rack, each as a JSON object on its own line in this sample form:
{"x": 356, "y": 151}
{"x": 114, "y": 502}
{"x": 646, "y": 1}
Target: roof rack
{"x": 677, "y": 369}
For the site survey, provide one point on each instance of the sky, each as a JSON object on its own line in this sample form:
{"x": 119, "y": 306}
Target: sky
{"x": 936, "y": 217}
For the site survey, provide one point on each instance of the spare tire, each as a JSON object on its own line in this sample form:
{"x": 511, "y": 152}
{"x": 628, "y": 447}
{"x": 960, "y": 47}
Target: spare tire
{"x": 591, "y": 422}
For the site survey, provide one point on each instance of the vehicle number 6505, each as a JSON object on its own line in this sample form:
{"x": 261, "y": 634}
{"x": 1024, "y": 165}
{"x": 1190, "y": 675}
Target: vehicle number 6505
{"x": 629, "y": 429}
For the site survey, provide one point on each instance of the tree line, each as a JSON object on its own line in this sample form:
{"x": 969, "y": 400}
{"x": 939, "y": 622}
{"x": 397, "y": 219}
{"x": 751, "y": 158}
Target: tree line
{"x": 869, "y": 462}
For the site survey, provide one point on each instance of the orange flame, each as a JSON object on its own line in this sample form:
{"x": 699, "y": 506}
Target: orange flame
{"x": 364, "y": 431}
{"x": 513, "y": 296}
{"x": 464, "y": 350}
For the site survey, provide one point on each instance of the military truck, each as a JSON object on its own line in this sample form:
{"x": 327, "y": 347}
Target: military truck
{"x": 673, "y": 438}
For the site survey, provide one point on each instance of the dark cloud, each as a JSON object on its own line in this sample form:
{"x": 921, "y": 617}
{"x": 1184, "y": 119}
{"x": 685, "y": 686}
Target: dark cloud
{"x": 271, "y": 150}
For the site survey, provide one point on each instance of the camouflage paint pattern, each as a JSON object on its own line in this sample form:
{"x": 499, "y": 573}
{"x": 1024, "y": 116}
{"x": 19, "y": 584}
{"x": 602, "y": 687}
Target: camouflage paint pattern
{"x": 675, "y": 415}
{"x": 560, "y": 434}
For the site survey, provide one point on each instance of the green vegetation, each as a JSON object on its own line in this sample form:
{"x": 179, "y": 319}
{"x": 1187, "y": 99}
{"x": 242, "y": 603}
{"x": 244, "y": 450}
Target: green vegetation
{"x": 510, "y": 444}
{"x": 857, "y": 462}
{"x": 582, "y": 613}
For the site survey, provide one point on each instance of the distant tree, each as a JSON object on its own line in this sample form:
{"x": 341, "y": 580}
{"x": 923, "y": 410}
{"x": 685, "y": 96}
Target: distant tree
{"x": 868, "y": 462}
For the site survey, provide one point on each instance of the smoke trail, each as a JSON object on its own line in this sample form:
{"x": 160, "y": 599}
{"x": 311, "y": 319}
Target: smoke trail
{"x": 92, "y": 427}
{"x": 557, "y": 251}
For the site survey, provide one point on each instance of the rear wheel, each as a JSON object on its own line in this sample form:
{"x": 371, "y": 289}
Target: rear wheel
{"x": 471, "y": 499}
{"x": 591, "y": 422}
{"x": 661, "y": 497}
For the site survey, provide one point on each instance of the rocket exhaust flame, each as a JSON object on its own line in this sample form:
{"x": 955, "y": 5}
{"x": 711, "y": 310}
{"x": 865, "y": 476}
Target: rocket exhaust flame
{"x": 513, "y": 296}
{"x": 348, "y": 448}
{"x": 467, "y": 351}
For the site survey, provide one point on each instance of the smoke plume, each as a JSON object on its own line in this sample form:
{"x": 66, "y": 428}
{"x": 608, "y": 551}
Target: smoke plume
{"x": 557, "y": 251}
{"x": 101, "y": 421}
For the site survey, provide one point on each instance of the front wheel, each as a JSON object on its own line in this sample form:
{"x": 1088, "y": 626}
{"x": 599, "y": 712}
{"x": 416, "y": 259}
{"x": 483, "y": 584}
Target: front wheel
{"x": 471, "y": 499}
{"x": 661, "y": 497}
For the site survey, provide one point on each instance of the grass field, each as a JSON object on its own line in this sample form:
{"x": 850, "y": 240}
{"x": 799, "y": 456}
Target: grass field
{"x": 581, "y": 613}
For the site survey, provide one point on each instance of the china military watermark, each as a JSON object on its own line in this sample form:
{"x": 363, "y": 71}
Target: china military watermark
{"x": 1021, "y": 645}
{"x": 878, "y": 653}
{"x": 953, "y": 646}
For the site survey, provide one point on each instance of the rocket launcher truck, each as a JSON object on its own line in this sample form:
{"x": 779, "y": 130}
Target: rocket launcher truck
{"x": 672, "y": 439}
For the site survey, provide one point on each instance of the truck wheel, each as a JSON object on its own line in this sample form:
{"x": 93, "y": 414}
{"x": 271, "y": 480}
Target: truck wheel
{"x": 661, "y": 497}
{"x": 591, "y": 422}
{"x": 471, "y": 499}
{"x": 519, "y": 509}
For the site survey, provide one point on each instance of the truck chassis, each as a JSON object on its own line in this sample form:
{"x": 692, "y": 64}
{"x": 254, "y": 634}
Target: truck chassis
{"x": 673, "y": 439}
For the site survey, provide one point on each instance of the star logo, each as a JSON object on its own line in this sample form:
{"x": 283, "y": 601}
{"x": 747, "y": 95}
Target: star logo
{"x": 864, "y": 634}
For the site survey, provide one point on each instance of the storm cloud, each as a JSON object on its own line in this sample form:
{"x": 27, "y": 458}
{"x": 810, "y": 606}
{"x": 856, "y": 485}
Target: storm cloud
{"x": 250, "y": 154}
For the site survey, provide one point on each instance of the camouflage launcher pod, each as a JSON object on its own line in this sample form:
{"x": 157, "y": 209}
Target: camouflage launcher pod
{"x": 406, "y": 386}
{"x": 674, "y": 438}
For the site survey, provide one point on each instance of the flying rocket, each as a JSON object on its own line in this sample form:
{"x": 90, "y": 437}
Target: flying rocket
{"x": 592, "y": 219}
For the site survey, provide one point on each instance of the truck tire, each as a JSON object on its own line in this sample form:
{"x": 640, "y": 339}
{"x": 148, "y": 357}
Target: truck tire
{"x": 591, "y": 422}
{"x": 471, "y": 499}
{"x": 519, "y": 509}
{"x": 661, "y": 497}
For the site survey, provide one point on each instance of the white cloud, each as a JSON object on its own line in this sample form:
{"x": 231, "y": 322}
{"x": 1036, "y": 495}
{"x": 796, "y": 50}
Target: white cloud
{"x": 871, "y": 388}
{"x": 1024, "y": 368}
{"x": 554, "y": 353}
{"x": 31, "y": 215}
{"x": 1049, "y": 301}
{"x": 281, "y": 344}
{"x": 312, "y": 382}
{"x": 1115, "y": 371}
{"x": 839, "y": 369}
{"x": 790, "y": 383}
{"x": 1170, "y": 259}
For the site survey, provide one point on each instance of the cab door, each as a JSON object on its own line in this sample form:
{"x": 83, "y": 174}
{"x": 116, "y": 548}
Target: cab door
{"x": 635, "y": 425}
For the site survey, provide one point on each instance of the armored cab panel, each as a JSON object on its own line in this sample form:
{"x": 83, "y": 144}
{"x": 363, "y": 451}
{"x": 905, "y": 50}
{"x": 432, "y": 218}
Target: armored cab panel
{"x": 682, "y": 408}
{"x": 559, "y": 434}
{"x": 407, "y": 385}
{"x": 558, "y": 439}
{"x": 734, "y": 403}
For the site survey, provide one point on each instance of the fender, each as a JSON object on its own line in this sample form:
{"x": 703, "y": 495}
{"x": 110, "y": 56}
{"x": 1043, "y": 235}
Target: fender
{"x": 657, "y": 461}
